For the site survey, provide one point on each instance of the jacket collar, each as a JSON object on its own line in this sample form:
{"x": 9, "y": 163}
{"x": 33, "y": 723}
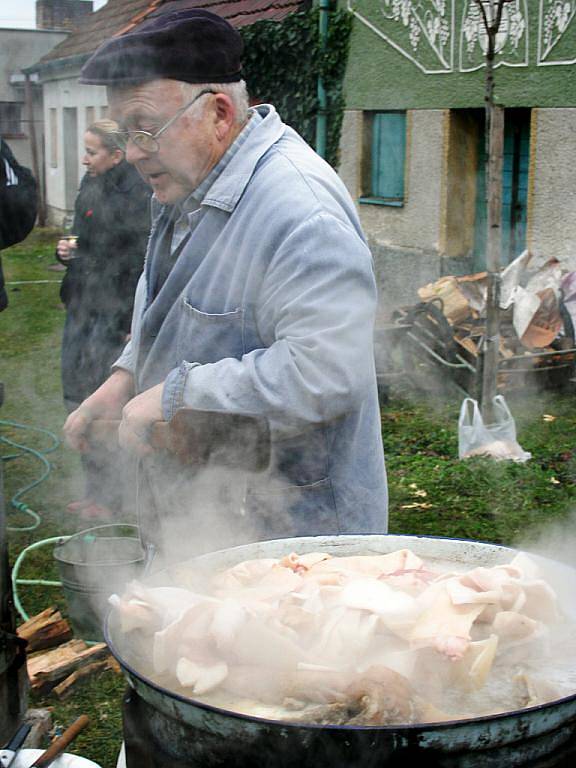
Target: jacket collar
{"x": 228, "y": 188}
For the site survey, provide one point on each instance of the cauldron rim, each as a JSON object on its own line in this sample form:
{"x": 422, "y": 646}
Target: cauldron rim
{"x": 397, "y": 728}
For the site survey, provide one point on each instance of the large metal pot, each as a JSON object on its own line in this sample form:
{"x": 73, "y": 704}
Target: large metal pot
{"x": 207, "y": 736}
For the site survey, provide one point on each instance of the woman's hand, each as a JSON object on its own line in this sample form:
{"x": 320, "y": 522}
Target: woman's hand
{"x": 65, "y": 249}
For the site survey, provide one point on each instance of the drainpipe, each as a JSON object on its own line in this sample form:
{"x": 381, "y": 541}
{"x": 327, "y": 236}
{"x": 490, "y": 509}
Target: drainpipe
{"x": 34, "y": 150}
{"x": 322, "y": 99}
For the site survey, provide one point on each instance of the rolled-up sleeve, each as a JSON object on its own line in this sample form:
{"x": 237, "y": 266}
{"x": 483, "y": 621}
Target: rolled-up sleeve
{"x": 125, "y": 361}
{"x": 315, "y": 313}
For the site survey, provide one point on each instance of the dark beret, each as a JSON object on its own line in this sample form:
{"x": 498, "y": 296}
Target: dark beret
{"x": 192, "y": 45}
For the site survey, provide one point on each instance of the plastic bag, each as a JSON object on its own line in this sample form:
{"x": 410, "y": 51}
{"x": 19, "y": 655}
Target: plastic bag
{"x": 497, "y": 440}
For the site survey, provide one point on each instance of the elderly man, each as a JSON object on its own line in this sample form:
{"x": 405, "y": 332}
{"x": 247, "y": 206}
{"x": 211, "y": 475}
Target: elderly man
{"x": 258, "y": 298}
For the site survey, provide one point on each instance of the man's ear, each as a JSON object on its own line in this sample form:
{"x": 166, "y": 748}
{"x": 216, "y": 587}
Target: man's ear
{"x": 224, "y": 115}
{"x": 118, "y": 156}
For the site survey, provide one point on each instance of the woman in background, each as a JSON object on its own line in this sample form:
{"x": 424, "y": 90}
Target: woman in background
{"x": 104, "y": 261}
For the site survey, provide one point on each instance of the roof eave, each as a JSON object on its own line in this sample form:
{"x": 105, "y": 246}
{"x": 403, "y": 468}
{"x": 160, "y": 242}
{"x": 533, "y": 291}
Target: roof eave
{"x": 54, "y": 66}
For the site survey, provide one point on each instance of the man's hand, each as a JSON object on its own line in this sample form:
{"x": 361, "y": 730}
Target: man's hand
{"x": 105, "y": 403}
{"x": 76, "y": 427}
{"x": 137, "y": 418}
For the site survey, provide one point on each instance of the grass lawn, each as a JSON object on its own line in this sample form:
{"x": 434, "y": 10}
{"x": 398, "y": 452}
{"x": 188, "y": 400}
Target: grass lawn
{"x": 431, "y": 492}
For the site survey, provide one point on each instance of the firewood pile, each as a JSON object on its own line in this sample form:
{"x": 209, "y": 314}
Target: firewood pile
{"x": 57, "y": 662}
{"x": 537, "y": 318}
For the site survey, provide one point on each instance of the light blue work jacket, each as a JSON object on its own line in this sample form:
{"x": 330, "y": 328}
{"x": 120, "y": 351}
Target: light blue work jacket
{"x": 269, "y": 310}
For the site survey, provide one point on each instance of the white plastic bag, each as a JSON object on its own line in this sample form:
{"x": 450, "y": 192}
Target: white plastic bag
{"x": 497, "y": 440}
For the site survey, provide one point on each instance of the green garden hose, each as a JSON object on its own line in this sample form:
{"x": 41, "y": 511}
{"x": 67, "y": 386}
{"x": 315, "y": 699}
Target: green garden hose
{"x": 16, "y": 501}
{"x": 43, "y": 582}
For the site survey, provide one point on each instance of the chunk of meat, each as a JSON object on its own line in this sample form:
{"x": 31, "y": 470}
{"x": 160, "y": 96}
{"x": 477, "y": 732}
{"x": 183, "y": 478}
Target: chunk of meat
{"x": 366, "y": 565}
{"x": 244, "y": 573}
{"x": 472, "y": 669}
{"x": 302, "y": 563}
{"x": 510, "y": 625}
{"x": 201, "y": 678}
{"x": 444, "y": 625}
{"x": 534, "y": 690}
{"x": 151, "y": 608}
{"x": 379, "y": 696}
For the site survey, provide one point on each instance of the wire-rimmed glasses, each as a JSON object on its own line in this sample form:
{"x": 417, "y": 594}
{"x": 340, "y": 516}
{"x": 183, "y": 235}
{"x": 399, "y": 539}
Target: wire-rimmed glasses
{"x": 146, "y": 141}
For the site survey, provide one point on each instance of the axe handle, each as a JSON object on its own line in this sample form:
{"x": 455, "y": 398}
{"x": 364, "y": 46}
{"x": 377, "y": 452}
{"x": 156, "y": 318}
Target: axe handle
{"x": 59, "y": 745}
{"x": 105, "y": 432}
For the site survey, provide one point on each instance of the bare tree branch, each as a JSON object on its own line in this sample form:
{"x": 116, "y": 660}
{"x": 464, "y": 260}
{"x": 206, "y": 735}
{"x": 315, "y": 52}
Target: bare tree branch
{"x": 480, "y": 5}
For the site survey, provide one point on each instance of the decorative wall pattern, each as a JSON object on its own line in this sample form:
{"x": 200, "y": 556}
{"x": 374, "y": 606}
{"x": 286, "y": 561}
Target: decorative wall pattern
{"x": 511, "y": 41}
{"x": 444, "y": 36}
{"x": 421, "y": 30}
{"x": 557, "y": 32}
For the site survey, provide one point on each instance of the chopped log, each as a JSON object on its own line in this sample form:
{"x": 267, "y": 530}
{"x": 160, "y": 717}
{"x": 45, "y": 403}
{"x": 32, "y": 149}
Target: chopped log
{"x": 455, "y": 305}
{"x": 468, "y": 344}
{"x": 67, "y": 686}
{"x": 45, "y": 630}
{"x": 47, "y": 669}
{"x": 504, "y": 349}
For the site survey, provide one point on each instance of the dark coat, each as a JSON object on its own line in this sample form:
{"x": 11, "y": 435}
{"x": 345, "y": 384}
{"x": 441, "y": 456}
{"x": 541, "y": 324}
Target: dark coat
{"x": 18, "y": 205}
{"x": 112, "y": 221}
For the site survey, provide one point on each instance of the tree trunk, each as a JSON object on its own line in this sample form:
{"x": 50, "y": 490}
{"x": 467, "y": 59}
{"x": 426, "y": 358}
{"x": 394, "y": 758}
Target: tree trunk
{"x": 494, "y": 158}
{"x": 494, "y": 246}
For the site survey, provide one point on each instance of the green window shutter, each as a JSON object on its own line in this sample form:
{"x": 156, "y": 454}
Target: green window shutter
{"x": 388, "y": 155}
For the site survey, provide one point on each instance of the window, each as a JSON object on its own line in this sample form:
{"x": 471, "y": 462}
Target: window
{"x": 10, "y": 118}
{"x": 103, "y": 112}
{"x": 53, "y": 138}
{"x": 90, "y": 115}
{"x": 386, "y": 157}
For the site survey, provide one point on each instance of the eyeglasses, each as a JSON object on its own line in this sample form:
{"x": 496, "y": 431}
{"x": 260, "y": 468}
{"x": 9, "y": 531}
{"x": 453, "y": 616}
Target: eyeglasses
{"x": 146, "y": 141}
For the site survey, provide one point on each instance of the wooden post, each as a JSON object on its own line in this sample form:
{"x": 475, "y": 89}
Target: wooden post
{"x": 34, "y": 151}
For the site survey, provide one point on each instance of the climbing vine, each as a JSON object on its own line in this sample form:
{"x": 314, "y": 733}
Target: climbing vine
{"x": 282, "y": 63}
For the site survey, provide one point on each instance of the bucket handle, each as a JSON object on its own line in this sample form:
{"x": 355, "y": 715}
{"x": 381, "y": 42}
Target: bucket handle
{"x": 86, "y": 531}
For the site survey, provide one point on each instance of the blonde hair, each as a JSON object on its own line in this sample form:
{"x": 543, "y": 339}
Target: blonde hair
{"x": 105, "y": 129}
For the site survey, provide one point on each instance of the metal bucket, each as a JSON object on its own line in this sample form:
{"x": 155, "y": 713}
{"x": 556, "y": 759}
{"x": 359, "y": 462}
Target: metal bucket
{"x": 200, "y": 734}
{"x": 93, "y": 564}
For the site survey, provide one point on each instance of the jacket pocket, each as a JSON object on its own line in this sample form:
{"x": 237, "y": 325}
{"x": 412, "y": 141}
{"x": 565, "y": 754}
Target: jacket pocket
{"x": 203, "y": 337}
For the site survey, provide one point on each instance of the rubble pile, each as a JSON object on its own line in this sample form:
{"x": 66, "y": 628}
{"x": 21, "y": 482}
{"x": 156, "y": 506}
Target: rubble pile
{"x": 537, "y": 314}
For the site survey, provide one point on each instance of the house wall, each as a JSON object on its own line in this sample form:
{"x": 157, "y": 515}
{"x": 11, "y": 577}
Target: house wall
{"x": 428, "y": 59}
{"x": 552, "y": 201}
{"x": 404, "y": 241}
{"x": 61, "y": 94}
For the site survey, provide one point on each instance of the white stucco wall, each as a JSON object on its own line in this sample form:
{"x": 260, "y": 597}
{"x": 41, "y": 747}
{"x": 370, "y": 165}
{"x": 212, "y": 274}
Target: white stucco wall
{"x": 60, "y": 94}
{"x": 552, "y": 203}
